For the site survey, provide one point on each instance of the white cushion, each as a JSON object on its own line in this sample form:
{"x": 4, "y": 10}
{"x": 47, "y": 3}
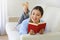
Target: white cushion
{"x": 11, "y": 26}
{"x": 52, "y": 17}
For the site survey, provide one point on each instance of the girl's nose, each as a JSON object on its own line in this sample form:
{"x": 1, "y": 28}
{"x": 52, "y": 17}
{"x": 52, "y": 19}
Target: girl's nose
{"x": 34, "y": 16}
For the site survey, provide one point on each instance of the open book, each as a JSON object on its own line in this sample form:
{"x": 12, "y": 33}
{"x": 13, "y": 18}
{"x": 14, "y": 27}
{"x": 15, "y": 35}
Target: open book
{"x": 36, "y": 27}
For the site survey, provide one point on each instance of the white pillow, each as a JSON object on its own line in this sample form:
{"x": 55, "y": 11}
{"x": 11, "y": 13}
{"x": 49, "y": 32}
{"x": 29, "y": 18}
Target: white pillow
{"x": 52, "y": 17}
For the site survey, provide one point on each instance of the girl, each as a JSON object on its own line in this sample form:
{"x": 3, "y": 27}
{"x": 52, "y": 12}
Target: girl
{"x": 34, "y": 24}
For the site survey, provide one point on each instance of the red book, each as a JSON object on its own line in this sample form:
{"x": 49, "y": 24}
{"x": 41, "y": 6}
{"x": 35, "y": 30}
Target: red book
{"x": 36, "y": 27}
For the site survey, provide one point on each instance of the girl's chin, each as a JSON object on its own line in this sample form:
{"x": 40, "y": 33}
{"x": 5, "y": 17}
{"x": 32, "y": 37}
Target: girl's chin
{"x": 35, "y": 20}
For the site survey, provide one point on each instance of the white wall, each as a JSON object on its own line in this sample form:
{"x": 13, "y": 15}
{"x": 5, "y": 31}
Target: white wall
{"x": 14, "y": 7}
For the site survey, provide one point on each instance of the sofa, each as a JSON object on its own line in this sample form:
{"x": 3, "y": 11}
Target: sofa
{"x": 14, "y": 35}
{"x": 52, "y": 32}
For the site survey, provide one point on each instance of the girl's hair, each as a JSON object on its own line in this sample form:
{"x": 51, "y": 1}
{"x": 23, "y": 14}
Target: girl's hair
{"x": 38, "y": 8}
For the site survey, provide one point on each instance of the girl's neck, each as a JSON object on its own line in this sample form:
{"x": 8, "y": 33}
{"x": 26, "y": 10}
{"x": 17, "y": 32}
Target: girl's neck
{"x": 36, "y": 22}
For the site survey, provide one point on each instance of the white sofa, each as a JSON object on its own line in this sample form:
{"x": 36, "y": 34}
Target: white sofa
{"x": 52, "y": 18}
{"x": 14, "y": 35}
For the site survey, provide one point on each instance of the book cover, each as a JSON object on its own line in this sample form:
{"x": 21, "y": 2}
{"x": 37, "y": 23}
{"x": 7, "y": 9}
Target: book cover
{"x": 36, "y": 27}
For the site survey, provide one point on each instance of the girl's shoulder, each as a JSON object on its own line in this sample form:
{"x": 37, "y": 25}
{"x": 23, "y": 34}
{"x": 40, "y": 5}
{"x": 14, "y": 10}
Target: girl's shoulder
{"x": 26, "y": 21}
{"x": 42, "y": 21}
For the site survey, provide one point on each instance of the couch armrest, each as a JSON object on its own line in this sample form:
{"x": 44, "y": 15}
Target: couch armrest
{"x": 13, "y": 35}
{"x": 12, "y": 32}
{"x": 48, "y": 36}
{"x": 11, "y": 26}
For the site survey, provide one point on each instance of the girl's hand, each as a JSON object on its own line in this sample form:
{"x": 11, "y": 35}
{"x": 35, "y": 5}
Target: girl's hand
{"x": 41, "y": 31}
{"x": 31, "y": 32}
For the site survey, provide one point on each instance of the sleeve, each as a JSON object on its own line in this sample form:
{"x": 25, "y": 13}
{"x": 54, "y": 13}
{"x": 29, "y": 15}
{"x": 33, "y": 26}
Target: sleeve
{"x": 21, "y": 19}
{"x": 41, "y": 20}
{"x": 23, "y": 28}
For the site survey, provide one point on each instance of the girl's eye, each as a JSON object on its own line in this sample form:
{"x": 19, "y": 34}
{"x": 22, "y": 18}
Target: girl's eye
{"x": 38, "y": 15}
{"x": 33, "y": 13}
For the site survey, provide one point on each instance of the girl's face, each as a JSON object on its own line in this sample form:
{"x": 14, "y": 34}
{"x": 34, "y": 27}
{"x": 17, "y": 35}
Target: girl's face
{"x": 35, "y": 16}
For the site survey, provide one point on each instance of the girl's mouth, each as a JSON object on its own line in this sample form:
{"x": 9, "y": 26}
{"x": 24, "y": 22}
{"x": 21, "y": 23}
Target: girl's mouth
{"x": 35, "y": 19}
